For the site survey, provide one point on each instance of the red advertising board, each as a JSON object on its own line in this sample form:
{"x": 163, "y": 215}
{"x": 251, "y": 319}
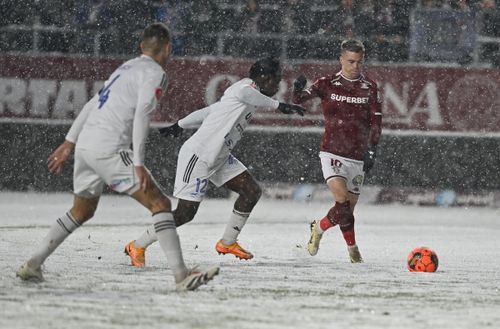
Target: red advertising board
{"x": 415, "y": 98}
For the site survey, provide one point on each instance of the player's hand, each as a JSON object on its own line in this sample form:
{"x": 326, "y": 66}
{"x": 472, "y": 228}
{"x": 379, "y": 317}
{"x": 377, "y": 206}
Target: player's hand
{"x": 291, "y": 108}
{"x": 174, "y": 130}
{"x": 143, "y": 177}
{"x": 299, "y": 83}
{"x": 369, "y": 158}
{"x": 56, "y": 160}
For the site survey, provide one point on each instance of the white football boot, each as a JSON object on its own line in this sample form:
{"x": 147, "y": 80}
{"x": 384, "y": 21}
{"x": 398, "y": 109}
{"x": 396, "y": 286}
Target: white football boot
{"x": 28, "y": 273}
{"x": 195, "y": 278}
{"x": 313, "y": 244}
{"x": 354, "y": 254}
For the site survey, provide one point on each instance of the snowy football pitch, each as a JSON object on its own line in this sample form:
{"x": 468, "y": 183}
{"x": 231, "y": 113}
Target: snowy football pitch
{"x": 89, "y": 283}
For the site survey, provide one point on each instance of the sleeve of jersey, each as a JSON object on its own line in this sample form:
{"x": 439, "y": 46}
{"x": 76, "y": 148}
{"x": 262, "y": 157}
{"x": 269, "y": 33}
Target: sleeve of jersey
{"x": 375, "y": 118}
{"x": 149, "y": 94}
{"x": 302, "y": 96}
{"x": 194, "y": 119}
{"x": 76, "y": 127}
{"x": 249, "y": 95}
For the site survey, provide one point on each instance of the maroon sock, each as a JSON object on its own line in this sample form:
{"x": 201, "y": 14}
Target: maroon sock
{"x": 335, "y": 215}
{"x": 325, "y": 223}
{"x": 342, "y": 215}
{"x": 349, "y": 237}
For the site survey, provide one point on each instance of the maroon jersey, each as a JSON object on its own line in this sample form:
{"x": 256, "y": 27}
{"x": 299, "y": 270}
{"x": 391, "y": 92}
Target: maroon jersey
{"x": 352, "y": 111}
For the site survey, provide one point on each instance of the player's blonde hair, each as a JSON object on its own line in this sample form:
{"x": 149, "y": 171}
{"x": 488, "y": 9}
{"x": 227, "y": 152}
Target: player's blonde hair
{"x": 352, "y": 45}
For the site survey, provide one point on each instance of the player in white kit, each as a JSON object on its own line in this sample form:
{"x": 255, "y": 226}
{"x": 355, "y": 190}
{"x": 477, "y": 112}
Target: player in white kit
{"x": 113, "y": 120}
{"x": 206, "y": 156}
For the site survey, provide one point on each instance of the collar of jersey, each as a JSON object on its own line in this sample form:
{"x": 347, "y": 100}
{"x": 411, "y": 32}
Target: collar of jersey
{"x": 150, "y": 58}
{"x": 352, "y": 80}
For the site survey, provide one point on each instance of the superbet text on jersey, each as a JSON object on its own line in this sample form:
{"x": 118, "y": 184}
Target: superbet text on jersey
{"x": 352, "y": 112}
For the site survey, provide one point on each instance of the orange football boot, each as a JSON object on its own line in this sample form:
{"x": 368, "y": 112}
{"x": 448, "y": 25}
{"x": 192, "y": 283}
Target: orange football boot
{"x": 234, "y": 249}
{"x": 136, "y": 254}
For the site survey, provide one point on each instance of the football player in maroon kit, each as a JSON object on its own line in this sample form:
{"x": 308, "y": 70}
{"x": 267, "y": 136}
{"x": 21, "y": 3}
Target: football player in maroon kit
{"x": 351, "y": 107}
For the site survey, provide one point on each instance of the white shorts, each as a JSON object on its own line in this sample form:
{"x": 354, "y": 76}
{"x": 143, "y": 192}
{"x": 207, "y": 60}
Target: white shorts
{"x": 349, "y": 169}
{"x": 92, "y": 170}
{"x": 193, "y": 174}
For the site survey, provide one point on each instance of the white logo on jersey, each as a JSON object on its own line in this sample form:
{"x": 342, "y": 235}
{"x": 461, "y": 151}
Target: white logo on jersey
{"x": 337, "y": 83}
{"x": 348, "y": 99}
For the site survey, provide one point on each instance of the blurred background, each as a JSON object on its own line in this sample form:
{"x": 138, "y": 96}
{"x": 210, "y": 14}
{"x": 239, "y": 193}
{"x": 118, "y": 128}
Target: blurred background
{"x": 458, "y": 31}
{"x": 437, "y": 63}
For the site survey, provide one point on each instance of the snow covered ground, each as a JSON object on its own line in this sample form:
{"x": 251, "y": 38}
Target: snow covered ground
{"x": 89, "y": 283}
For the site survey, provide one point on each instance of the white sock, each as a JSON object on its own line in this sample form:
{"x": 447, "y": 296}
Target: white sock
{"x": 233, "y": 228}
{"x": 166, "y": 233}
{"x": 147, "y": 238}
{"x": 63, "y": 227}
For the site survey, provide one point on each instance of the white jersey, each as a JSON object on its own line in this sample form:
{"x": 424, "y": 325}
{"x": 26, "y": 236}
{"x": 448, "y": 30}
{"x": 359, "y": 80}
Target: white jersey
{"x": 224, "y": 121}
{"x": 119, "y": 115}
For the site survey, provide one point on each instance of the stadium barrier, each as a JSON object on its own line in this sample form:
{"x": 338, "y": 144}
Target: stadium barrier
{"x": 408, "y": 168}
{"x": 441, "y": 125}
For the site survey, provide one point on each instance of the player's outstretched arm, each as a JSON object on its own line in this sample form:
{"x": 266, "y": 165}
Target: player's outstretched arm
{"x": 193, "y": 120}
{"x": 291, "y": 109}
{"x": 57, "y": 159}
{"x": 302, "y": 94}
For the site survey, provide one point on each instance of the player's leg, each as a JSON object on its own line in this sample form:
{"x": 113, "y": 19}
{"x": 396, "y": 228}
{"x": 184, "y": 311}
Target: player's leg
{"x": 82, "y": 210}
{"x": 339, "y": 174}
{"x": 185, "y": 211}
{"x": 338, "y": 188}
{"x": 349, "y": 233}
{"x": 236, "y": 177}
{"x": 331, "y": 169}
{"x": 160, "y": 207}
{"x": 136, "y": 249}
{"x": 164, "y": 225}
{"x": 345, "y": 187}
{"x": 187, "y": 182}
{"x": 87, "y": 187}
{"x": 166, "y": 233}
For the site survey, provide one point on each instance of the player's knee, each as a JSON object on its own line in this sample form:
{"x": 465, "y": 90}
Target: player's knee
{"x": 160, "y": 204}
{"x": 252, "y": 195}
{"x": 341, "y": 197}
{"x": 182, "y": 219}
{"x": 256, "y": 193}
{"x": 184, "y": 215}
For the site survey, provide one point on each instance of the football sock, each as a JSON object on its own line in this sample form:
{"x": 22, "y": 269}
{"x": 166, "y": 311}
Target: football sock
{"x": 349, "y": 237}
{"x": 334, "y": 216}
{"x": 324, "y": 224}
{"x": 147, "y": 238}
{"x": 345, "y": 219}
{"x": 166, "y": 232}
{"x": 59, "y": 231}
{"x": 340, "y": 214}
{"x": 233, "y": 228}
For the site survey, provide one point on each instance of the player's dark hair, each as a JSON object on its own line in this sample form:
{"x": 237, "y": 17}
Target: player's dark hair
{"x": 155, "y": 36}
{"x": 263, "y": 67}
{"x": 352, "y": 45}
